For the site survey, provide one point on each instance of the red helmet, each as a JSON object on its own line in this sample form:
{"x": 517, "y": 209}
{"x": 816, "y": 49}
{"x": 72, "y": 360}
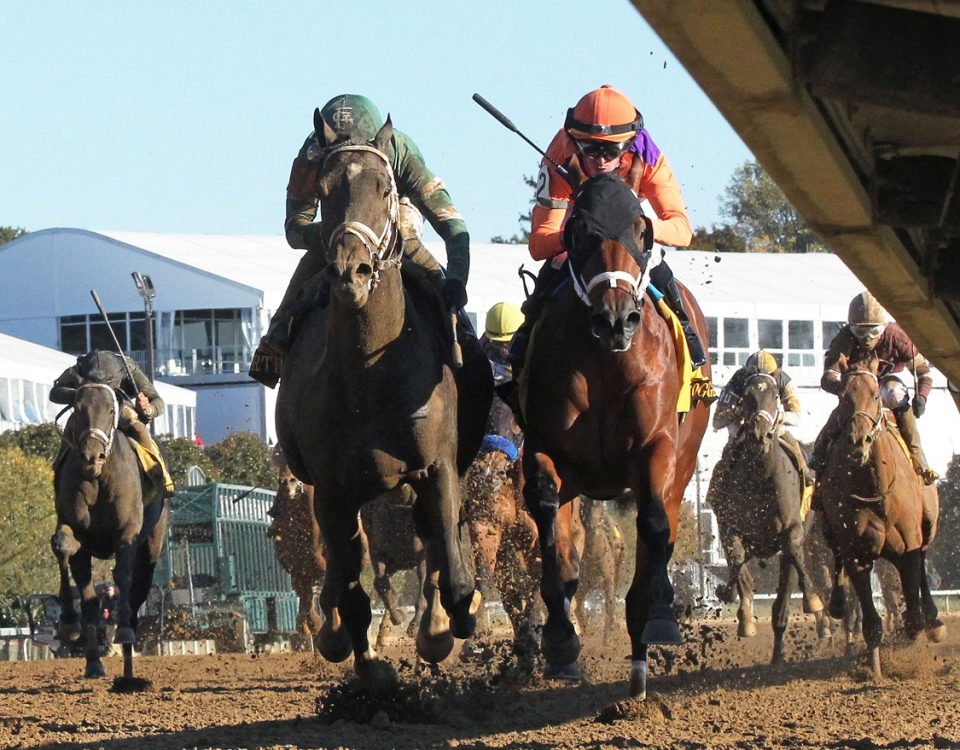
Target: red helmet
{"x": 603, "y": 115}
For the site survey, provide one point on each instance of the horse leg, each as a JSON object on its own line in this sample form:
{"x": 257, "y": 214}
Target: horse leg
{"x": 89, "y": 612}
{"x": 342, "y": 590}
{"x": 910, "y": 565}
{"x": 781, "y": 609}
{"x": 742, "y": 582}
{"x": 421, "y": 606}
{"x": 936, "y": 630}
{"x": 609, "y": 597}
{"x": 391, "y": 605}
{"x": 888, "y": 576}
{"x": 449, "y": 557}
{"x": 64, "y": 546}
{"x": 125, "y": 555}
{"x": 872, "y": 624}
{"x": 560, "y": 644}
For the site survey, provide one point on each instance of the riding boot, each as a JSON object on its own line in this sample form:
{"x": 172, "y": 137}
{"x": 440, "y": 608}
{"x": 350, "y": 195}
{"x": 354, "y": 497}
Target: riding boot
{"x": 701, "y": 388}
{"x": 818, "y": 458}
{"x": 907, "y": 424}
{"x": 797, "y": 452}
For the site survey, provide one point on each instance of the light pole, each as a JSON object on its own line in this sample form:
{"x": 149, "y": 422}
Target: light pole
{"x": 145, "y": 287}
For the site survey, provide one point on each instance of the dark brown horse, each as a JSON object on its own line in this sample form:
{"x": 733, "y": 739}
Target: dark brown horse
{"x": 299, "y": 546}
{"x": 369, "y": 402}
{"x": 757, "y": 494}
{"x": 106, "y": 507}
{"x": 602, "y": 563}
{"x": 874, "y": 506}
{"x": 599, "y": 396}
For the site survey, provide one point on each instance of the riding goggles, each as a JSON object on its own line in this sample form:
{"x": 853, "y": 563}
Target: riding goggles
{"x": 866, "y": 332}
{"x": 607, "y": 150}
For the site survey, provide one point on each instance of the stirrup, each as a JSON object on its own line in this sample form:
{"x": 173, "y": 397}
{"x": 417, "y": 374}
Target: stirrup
{"x": 702, "y": 389}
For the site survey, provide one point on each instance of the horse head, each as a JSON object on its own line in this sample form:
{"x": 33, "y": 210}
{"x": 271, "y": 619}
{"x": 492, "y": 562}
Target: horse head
{"x": 608, "y": 265}
{"x": 761, "y": 410}
{"x": 359, "y": 205}
{"x": 96, "y": 411}
{"x": 861, "y": 409}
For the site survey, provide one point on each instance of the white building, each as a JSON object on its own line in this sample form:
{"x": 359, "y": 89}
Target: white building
{"x": 28, "y": 370}
{"x": 215, "y": 294}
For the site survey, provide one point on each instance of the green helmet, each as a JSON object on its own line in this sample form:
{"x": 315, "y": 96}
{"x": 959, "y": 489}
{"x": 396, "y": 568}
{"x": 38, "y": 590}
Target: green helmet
{"x": 352, "y": 113}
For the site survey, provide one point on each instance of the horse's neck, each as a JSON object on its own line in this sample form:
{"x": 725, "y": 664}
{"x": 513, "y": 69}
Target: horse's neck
{"x": 364, "y": 334}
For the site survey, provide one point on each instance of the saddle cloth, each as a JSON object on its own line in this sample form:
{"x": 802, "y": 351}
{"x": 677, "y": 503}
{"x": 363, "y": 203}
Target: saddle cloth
{"x": 150, "y": 462}
{"x": 685, "y": 373}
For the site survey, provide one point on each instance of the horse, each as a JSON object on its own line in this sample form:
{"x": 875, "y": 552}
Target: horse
{"x": 599, "y": 395}
{"x": 106, "y": 507}
{"x": 757, "y": 495}
{"x": 602, "y": 561}
{"x": 875, "y": 505}
{"x": 370, "y": 400}
{"x": 299, "y": 546}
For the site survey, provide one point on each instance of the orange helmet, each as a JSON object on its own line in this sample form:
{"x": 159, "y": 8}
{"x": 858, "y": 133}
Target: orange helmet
{"x": 603, "y": 115}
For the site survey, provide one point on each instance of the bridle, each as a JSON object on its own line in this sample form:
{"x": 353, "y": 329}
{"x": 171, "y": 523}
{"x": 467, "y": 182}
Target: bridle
{"x": 636, "y": 284}
{"x": 878, "y": 423}
{"x": 95, "y": 432}
{"x": 383, "y": 247}
{"x": 773, "y": 420}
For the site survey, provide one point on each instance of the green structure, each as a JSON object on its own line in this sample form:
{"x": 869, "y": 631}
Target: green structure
{"x": 218, "y": 557}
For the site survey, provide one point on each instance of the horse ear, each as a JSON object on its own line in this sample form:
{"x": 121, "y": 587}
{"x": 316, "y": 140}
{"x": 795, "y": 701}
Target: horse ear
{"x": 383, "y": 136}
{"x": 325, "y": 133}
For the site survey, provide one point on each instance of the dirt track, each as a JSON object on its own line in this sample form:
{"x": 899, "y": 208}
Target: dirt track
{"x": 719, "y": 692}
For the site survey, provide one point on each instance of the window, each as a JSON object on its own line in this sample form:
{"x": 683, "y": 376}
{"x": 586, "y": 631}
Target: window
{"x": 82, "y": 333}
{"x": 770, "y": 334}
{"x": 712, "y": 328}
{"x": 800, "y": 343}
{"x": 736, "y": 333}
{"x": 830, "y": 328}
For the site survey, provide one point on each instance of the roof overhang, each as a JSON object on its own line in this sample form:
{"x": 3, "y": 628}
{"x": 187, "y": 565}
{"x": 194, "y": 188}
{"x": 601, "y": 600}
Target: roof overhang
{"x": 854, "y": 109}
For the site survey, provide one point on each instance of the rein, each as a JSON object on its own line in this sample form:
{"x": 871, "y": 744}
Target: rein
{"x": 383, "y": 247}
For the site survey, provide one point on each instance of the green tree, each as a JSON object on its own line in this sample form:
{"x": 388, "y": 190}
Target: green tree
{"x": 243, "y": 458}
{"x": 41, "y": 440}
{"x": 8, "y": 234}
{"x": 525, "y": 221}
{"x": 181, "y": 454}
{"x": 760, "y": 214}
{"x": 28, "y": 516}
{"x": 944, "y": 555}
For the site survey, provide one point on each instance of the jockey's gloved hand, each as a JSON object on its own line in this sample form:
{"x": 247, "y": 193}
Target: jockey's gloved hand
{"x": 919, "y": 405}
{"x": 454, "y": 294}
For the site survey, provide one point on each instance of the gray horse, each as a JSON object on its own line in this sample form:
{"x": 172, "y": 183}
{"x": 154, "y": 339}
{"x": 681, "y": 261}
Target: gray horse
{"x": 757, "y": 493}
{"x": 369, "y": 402}
{"x": 106, "y": 507}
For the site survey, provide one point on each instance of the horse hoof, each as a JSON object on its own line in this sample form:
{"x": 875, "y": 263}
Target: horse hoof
{"x": 661, "y": 632}
{"x": 936, "y": 632}
{"x": 747, "y": 629}
{"x": 334, "y": 645}
{"x": 561, "y": 652}
{"x": 125, "y": 635}
{"x": 434, "y": 648}
{"x": 463, "y": 621}
{"x": 812, "y": 604}
{"x": 824, "y": 633}
{"x": 94, "y": 670}
{"x": 571, "y": 672}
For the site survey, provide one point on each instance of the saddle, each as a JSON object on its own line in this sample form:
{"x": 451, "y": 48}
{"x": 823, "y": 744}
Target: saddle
{"x": 806, "y": 497}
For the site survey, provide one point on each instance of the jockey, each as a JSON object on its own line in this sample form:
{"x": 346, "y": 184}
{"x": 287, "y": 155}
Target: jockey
{"x": 869, "y": 331}
{"x": 420, "y": 191}
{"x": 604, "y": 133}
{"x": 503, "y": 321}
{"x": 107, "y": 368}
{"x": 728, "y": 412}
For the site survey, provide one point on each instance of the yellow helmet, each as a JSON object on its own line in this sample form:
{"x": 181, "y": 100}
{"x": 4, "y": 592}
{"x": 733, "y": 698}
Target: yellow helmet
{"x": 762, "y": 361}
{"x": 503, "y": 320}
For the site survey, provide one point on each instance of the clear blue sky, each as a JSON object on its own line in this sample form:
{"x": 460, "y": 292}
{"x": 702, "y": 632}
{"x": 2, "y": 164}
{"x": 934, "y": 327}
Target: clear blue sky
{"x": 183, "y": 117}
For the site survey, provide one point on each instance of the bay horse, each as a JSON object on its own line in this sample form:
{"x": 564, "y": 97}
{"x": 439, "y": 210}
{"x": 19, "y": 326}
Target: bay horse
{"x": 875, "y": 505}
{"x": 598, "y": 396}
{"x": 107, "y": 507}
{"x": 299, "y": 546}
{"x": 757, "y": 495}
{"x": 601, "y": 565}
{"x": 369, "y": 402}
